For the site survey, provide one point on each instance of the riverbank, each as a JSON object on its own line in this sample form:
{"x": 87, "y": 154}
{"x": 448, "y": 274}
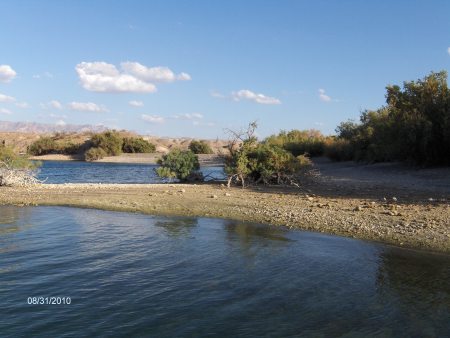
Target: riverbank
{"x": 207, "y": 160}
{"x": 409, "y": 218}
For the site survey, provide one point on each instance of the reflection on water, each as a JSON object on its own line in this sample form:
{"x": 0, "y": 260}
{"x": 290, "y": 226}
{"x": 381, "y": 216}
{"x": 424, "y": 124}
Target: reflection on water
{"x": 179, "y": 227}
{"x": 136, "y": 275}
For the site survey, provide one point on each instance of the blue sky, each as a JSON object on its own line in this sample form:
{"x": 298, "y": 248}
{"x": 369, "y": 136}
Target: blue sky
{"x": 193, "y": 68}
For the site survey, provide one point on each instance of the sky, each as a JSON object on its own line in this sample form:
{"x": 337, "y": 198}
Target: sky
{"x": 195, "y": 68}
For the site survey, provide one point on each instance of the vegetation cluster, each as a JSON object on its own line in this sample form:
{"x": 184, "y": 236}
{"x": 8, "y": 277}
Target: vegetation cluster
{"x": 95, "y": 147}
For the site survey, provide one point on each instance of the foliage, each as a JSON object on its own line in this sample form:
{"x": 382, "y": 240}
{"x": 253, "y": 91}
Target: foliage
{"x": 94, "y": 154}
{"x": 110, "y": 141}
{"x": 274, "y": 165}
{"x": 137, "y": 145}
{"x": 339, "y": 149}
{"x": 43, "y": 146}
{"x": 179, "y": 164}
{"x": 200, "y": 147}
{"x": 414, "y": 126}
{"x": 269, "y": 163}
{"x": 300, "y": 142}
{"x": 15, "y": 169}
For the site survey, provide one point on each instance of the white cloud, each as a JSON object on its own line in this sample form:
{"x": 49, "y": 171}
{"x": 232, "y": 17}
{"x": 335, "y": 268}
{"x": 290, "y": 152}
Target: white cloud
{"x": 7, "y": 74}
{"x": 22, "y": 105}
{"x": 203, "y": 124}
{"x": 53, "y": 104}
{"x": 60, "y": 123}
{"x": 448, "y": 50}
{"x": 6, "y": 98}
{"x": 57, "y": 116}
{"x": 87, "y": 107}
{"x": 134, "y": 103}
{"x": 133, "y": 77}
{"x": 323, "y": 97}
{"x": 193, "y": 116}
{"x": 152, "y": 118}
{"x": 216, "y": 94}
{"x": 105, "y": 78}
{"x": 5, "y": 111}
{"x": 246, "y": 94}
{"x": 153, "y": 74}
{"x": 45, "y": 74}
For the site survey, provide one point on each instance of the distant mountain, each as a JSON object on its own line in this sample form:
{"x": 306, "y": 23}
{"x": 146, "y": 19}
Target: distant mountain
{"x": 41, "y": 128}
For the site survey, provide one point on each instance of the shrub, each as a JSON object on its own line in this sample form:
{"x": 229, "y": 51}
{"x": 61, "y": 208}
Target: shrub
{"x": 110, "y": 141}
{"x": 339, "y": 150}
{"x": 69, "y": 148}
{"x": 266, "y": 162}
{"x": 15, "y": 169}
{"x": 299, "y": 142}
{"x": 94, "y": 154}
{"x": 137, "y": 145}
{"x": 200, "y": 147}
{"x": 178, "y": 164}
{"x": 44, "y": 145}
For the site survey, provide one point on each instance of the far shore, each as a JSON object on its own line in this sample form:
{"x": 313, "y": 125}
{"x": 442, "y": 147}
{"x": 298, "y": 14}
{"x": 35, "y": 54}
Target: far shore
{"x": 385, "y": 203}
{"x": 204, "y": 159}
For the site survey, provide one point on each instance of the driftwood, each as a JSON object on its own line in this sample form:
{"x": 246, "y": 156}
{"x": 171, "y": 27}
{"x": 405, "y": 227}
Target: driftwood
{"x": 17, "y": 177}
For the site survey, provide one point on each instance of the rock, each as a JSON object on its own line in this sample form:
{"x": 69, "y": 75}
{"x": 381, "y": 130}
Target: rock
{"x": 182, "y": 191}
{"x": 310, "y": 199}
{"x": 227, "y": 194}
{"x": 358, "y": 208}
{"x": 213, "y": 196}
{"x": 394, "y": 199}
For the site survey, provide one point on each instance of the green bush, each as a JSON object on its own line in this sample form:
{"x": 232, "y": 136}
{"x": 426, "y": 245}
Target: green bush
{"x": 94, "y": 154}
{"x": 43, "y": 146}
{"x": 299, "y": 142}
{"x": 266, "y": 162}
{"x": 69, "y": 148}
{"x": 339, "y": 150}
{"x": 200, "y": 147}
{"x": 10, "y": 159}
{"x": 179, "y": 164}
{"x": 110, "y": 141}
{"x": 137, "y": 145}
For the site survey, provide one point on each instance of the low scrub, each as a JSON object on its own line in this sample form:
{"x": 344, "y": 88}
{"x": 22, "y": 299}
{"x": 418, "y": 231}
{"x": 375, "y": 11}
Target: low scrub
{"x": 300, "y": 142}
{"x": 137, "y": 145}
{"x": 109, "y": 141}
{"x": 16, "y": 170}
{"x": 200, "y": 147}
{"x": 94, "y": 154}
{"x": 43, "y": 146}
{"x": 179, "y": 164}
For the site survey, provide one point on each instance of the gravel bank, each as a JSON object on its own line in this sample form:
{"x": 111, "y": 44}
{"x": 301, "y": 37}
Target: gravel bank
{"x": 391, "y": 215}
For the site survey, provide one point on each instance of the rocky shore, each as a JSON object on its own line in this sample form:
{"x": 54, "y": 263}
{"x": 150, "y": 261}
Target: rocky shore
{"x": 394, "y": 215}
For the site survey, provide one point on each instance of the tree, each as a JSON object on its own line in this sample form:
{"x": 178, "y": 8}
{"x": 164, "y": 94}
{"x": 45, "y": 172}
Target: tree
{"x": 200, "y": 147}
{"x": 179, "y": 164}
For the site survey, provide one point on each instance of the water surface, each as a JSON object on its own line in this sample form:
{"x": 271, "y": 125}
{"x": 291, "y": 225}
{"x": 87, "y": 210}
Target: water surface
{"x": 136, "y": 275}
{"x": 98, "y": 172}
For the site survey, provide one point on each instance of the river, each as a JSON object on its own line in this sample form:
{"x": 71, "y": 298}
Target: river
{"x": 137, "y": 275}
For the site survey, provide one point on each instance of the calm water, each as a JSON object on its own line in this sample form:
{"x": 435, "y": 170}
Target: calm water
{"x": 136, "y": 275}
{"x": 88, "y": 172}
